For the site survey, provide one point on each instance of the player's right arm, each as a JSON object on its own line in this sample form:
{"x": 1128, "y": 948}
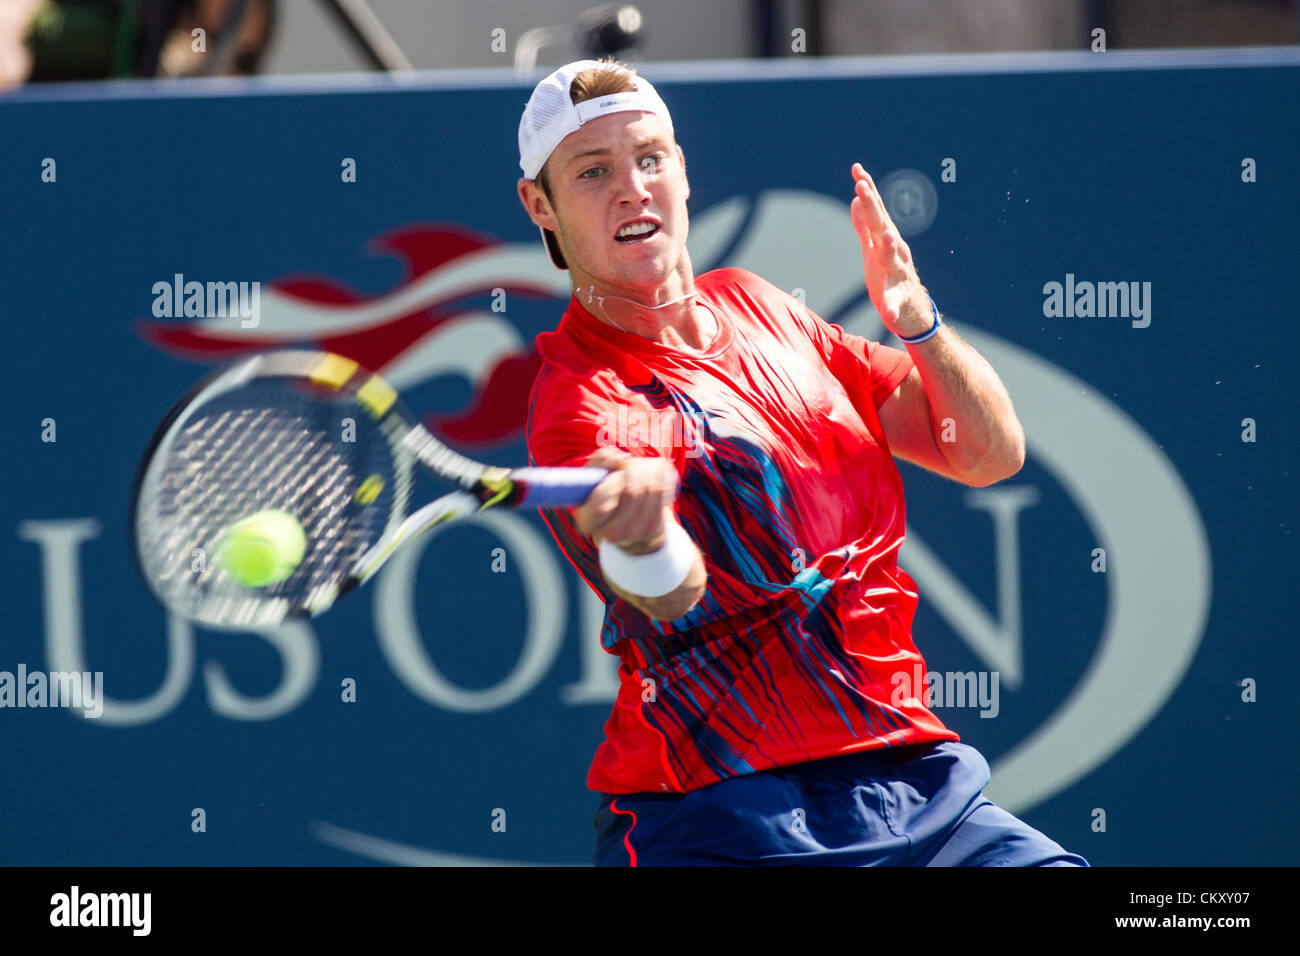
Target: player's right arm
{"x": 631, "y": 509}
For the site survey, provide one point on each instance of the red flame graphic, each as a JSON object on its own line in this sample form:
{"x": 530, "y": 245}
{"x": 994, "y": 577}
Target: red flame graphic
{"x": 498, "y": 411}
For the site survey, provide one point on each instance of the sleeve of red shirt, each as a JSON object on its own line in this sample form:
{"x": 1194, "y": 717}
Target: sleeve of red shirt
{"x": 569, "y": 419}
{"x": 564, "y": 422}
{"x": 868, "y": 370}
{"x": 863, "y": 367}
{"x": 564, "y": 429}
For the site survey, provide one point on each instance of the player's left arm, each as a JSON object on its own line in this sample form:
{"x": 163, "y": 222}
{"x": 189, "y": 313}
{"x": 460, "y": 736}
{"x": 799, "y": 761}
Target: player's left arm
{"x": 952, "y": 414}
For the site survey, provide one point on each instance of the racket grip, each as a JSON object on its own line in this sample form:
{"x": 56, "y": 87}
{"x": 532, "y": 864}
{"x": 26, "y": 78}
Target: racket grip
{"x": 557, "y": 487}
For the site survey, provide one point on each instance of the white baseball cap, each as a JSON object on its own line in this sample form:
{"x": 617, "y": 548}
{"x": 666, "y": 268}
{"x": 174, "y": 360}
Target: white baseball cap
{"x": 550, "y": 115}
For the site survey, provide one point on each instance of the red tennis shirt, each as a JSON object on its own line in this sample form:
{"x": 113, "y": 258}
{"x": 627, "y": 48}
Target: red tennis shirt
{"x": 790, "y": 491}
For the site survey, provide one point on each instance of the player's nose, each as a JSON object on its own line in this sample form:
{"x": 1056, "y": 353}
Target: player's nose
{"x": 633, "y": 186}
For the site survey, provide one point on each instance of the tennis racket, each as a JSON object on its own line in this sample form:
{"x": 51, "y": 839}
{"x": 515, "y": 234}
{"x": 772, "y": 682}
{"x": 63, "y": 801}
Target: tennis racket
{"x": 315, "y": 435}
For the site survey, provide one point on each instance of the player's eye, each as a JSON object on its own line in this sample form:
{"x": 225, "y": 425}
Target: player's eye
{"x": 595, "y": 171}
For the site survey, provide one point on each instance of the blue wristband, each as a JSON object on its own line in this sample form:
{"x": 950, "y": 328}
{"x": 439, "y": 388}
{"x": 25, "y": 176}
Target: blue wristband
{"x": 930, "y": 333}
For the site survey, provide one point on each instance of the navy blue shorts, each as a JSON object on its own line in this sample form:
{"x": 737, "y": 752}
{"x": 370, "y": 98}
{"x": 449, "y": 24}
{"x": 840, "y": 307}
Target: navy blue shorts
{"x": 919, "y": 805}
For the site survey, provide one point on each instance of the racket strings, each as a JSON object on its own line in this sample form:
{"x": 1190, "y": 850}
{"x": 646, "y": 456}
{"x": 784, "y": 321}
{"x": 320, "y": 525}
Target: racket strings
{"x": 257, "y": 453}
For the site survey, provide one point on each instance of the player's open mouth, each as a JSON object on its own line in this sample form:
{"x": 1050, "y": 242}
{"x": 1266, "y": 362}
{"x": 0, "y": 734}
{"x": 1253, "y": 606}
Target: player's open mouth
{"x": 636, "y": 232}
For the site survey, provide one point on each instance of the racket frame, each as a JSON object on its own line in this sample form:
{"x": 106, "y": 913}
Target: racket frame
{"x": 480, "y": 486}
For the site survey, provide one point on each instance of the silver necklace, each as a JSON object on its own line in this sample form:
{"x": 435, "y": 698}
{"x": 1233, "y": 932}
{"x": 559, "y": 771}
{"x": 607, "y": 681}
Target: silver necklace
{"x": 591, "y": 293}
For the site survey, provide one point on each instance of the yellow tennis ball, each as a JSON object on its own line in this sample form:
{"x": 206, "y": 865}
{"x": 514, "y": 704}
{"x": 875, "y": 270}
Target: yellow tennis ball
{"x": 263, "y": 548}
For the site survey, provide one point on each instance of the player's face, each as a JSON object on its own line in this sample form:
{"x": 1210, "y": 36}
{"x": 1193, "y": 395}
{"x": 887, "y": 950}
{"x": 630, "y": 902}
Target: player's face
{"x": 616, "y": 169}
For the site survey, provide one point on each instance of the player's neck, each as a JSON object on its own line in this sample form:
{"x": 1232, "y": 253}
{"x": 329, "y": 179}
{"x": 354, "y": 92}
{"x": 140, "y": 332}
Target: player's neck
{"x": 669, "y": 315}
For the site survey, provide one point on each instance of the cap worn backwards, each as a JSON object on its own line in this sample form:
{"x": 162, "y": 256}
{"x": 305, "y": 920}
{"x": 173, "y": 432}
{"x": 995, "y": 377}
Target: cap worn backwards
{"x": 550, "y": 114}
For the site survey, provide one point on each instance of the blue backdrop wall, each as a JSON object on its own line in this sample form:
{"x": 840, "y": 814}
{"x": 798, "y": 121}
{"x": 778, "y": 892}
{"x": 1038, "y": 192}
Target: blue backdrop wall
{"x": 1145, "y": 714}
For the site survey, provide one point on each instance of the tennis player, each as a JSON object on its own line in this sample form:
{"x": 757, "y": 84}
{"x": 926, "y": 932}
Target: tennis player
{"x": 746, "y": 542}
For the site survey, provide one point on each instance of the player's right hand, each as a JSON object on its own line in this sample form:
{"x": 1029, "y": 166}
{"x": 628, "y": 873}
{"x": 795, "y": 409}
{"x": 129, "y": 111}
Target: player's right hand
{"x": 631, "y": 506}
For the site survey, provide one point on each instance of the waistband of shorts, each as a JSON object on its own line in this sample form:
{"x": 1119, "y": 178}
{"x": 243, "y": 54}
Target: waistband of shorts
{"x": 861, "y": 763}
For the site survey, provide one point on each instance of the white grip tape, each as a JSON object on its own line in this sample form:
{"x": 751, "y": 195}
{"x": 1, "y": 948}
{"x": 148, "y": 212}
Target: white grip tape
{"x": 650, "y": 575}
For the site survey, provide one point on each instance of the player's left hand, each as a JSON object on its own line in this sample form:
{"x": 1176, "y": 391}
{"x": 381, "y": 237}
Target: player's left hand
{"x": 892, "y": 281}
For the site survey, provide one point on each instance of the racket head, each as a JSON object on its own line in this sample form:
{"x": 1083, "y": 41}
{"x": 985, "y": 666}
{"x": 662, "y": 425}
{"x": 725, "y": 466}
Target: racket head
{"x": 302, "y": 431}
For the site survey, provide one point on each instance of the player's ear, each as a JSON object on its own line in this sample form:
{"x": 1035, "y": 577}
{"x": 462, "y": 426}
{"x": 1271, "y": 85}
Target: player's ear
{"x": 536, "y": 204}
{"x": 682, "y": 158}
{"x": 525, "y": 195}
